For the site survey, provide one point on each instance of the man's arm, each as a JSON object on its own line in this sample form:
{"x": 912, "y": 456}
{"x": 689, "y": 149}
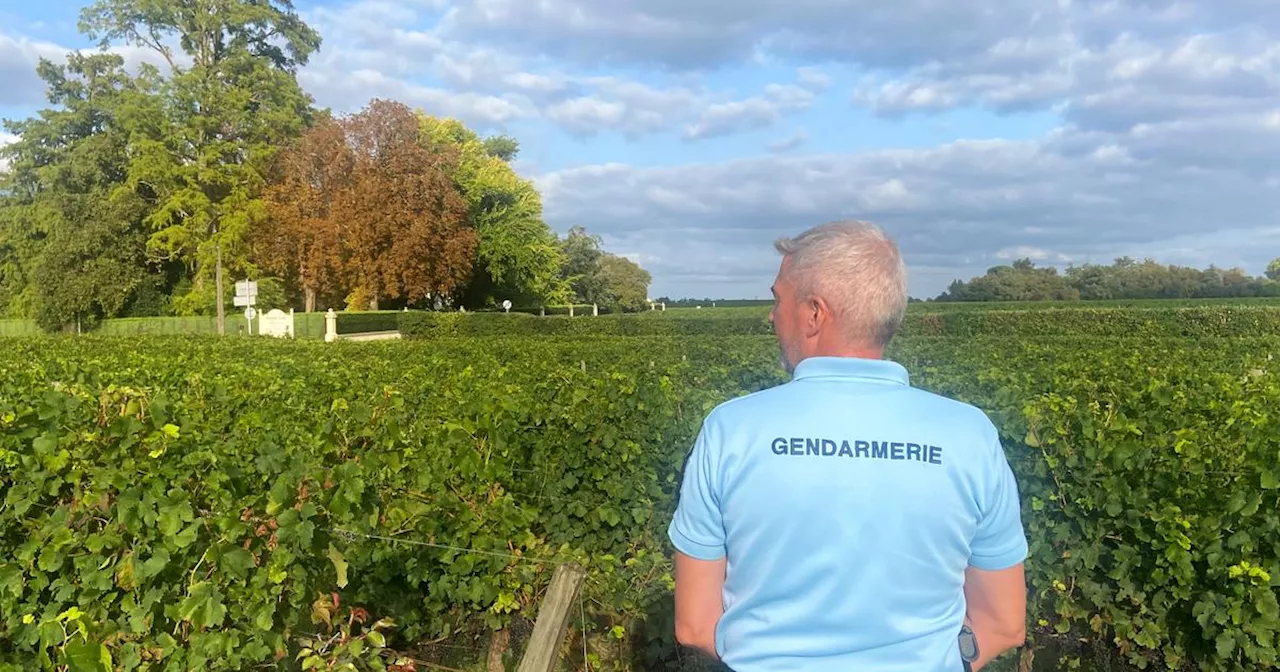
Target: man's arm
{"x": 997, "y": 610}
{"x": 699, "y": 601}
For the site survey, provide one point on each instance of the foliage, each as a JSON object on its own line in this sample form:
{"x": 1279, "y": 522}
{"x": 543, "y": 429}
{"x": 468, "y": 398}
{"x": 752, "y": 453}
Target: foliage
{"x": 1195, "y": 322}
{"x": 1150, "y": 488}
{"x": 230, "y": 99}
{"x": 188, "y": 497}
{"x": 130, "y": 494}
{"x": 517, "y": 257}
{"x": 307, "y": 199}
{"x": 1198, "y": 322}
{"x": 627, "y": 283}
{"x": 75, "y": 238}
{"x": 139, "y": 194}
{"x": 1273, "y": 269}
{"x": 1124, "y": 279}
{"x": 417, "y": 324}
{"x": 405, "y": 232}
{"x": 581, "y": 268}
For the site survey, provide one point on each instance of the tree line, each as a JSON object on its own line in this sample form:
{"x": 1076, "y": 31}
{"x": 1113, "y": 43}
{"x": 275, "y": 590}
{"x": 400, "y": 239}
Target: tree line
{"x": 1125, "y": 278}
{"x": 148, "y": 192}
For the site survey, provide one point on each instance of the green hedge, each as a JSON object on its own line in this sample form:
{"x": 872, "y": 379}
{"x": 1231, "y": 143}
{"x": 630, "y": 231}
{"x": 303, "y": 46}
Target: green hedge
{"x": 1233, "y": 321}
{"x": 195, "y": 324}
{"x": 19, "y": 328}
{"x": 442, "y": 325}
{"x": 363, "y": 322}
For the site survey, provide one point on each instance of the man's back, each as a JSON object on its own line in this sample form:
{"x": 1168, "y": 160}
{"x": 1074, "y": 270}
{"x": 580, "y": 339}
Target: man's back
{"x": 849, "y": 506}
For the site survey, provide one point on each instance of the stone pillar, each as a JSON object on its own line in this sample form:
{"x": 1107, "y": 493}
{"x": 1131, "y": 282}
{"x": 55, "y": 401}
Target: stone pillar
{"x": 330, "y": 326}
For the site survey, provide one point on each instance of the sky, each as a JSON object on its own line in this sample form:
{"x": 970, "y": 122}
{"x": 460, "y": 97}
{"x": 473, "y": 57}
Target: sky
{"x": 691, "y": 135}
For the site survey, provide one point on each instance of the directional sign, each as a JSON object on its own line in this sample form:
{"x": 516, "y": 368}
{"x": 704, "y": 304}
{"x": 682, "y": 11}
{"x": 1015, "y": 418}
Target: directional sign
{"x": 246, "y": 288}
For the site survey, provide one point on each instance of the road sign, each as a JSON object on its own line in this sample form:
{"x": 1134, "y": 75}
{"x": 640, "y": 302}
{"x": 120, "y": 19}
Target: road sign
{"x": 246, "y": 287}
{"x": 506, "y": 305}
{"x": 250, "y": 313}
{"x": 242, "y": 301}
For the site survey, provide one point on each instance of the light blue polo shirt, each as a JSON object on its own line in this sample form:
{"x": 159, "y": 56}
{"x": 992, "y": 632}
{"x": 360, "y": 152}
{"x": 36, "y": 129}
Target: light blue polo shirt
{"x": 849, "y": 505}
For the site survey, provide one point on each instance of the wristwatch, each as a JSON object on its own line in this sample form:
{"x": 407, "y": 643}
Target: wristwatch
{"x": 968, "y": 647}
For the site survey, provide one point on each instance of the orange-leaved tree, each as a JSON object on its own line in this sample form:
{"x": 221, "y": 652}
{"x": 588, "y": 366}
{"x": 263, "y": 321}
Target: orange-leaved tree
{"x": 407, "y": 221}
{"x": 359, "y": 206}
{"x": 307, "y": 201}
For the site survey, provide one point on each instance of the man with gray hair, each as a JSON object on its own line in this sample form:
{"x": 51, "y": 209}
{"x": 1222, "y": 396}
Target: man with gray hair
{"x": 847, "y": 521}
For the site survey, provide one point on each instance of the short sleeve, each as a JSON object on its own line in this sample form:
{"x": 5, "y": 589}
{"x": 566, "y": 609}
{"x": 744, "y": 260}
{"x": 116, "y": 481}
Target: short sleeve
{"x": 697, "y": 529}
{"x": 1000, "y": 541}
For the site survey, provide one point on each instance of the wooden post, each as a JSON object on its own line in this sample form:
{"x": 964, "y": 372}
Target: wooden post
{"x": 542, "y": 654}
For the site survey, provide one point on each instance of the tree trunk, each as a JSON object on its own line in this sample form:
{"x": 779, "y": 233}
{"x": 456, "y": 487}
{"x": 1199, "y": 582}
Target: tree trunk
{"x": 497, "y": 647}
{"x": 310, "y": 299}
{"x": 373, "y": 303}
{"x": 217, "y": 275}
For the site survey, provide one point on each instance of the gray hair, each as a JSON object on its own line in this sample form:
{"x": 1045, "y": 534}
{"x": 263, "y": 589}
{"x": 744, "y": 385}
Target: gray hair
{"x": 858, "y": 270}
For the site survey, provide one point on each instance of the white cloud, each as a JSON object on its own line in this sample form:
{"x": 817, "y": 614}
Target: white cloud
{"x": 1167, "y": 112}
{"x": 814, "y": 79}
{"x": 6, "y": 139}
{"x": 353, "y": 90}
{"x": 18, "y": 59}
{"x": 1032, "y": 253}
{"x": 980, "y": 201}
{"x": 749, "y": 114}
{"x": 790, "y": 142}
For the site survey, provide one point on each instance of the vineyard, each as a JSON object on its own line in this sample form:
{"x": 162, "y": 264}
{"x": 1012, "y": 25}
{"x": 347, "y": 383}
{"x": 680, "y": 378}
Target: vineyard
{"x": 174, "y": 503}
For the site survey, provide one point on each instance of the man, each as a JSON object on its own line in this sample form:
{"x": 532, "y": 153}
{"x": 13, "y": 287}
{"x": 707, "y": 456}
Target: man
{"x": 846, "y": 521}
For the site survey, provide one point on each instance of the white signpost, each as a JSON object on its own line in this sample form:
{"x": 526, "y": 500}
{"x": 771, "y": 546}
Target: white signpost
{"x": 506, "y": 305}
{"x": 246, "y": 293}
{"x": 247, "y": 296}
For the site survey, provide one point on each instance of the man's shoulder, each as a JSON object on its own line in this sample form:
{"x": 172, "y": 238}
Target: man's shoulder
{"x": 950, "y": 409}
{"x": 911, "y": 401}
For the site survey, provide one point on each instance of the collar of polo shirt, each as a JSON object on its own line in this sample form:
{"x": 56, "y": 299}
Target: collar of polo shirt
{"x": 872, "y": 370}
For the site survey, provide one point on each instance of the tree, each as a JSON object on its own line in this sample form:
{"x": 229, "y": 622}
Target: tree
{"x": 581, "y": 267}
{"x": 626, "y": 284}
{"x": 66, "y": 219}
{"x": 1273, "y": 269}
{"x": 518, "y": 256}
{"x": 1126, "y": 278}
{"x": 229, "y": 102}
{"x": 307, "y": 200}
{"x": 502, "y": 147}
{"x": 405, "y": 222}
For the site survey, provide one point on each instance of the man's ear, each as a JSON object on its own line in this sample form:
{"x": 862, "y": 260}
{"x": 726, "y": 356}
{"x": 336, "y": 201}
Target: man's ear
{"x": 817, "y": 314}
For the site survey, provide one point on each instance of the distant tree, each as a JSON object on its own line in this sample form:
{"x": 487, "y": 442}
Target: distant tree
{"x": 231, "y": 99}
{"x": 72, "y": 233}
{"x": 518, "y": 257}
{"x": 406, "y": 230}
{"x": 1021, "y": 281}
{"x": 626, "y": 284}
{"x": 1273, "y": 269}
{"x": 581, "y": 269}
{"x": 307, "y": 201}
{"x": 502, "y": 147}
{"x": 1125, "y": 278}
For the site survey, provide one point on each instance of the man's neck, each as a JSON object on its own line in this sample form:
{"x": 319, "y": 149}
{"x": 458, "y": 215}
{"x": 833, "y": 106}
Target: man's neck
{"x": 846, "y": 350}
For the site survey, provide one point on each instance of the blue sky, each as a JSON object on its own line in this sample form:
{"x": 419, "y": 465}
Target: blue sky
{"x": 690, "y": 135}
